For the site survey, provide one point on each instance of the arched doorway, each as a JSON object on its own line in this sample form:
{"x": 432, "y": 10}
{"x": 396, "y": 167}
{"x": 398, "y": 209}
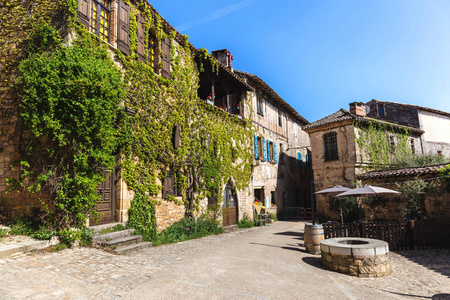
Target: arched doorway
{"x": 229, "y": 206}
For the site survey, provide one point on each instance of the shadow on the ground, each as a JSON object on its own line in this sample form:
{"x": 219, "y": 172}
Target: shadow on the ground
{"x": 298, "y": 247}
{"x": 437, "y": 260}
{"x": 297, "y": 235}
{"x": 441, "y": 297}
{"x": 314, "y": 261}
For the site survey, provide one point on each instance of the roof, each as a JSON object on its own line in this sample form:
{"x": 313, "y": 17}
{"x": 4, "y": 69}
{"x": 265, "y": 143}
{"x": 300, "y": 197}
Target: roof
{"x": 413, "y": 171}
{"x": 439, "y": 112}
{"x": 344, "y": 115}
{"x": 258, "y": 83}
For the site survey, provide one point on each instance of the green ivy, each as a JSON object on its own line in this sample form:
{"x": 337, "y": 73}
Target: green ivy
{"x": 374, "y": 140}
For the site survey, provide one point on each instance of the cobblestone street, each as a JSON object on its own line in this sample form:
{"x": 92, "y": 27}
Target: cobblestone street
{"x": 261, "y": 263}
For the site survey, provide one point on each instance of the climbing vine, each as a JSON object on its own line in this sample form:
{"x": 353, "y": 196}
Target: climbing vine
{"x": 73, "y": 99}
{"x": 381, "y": 144}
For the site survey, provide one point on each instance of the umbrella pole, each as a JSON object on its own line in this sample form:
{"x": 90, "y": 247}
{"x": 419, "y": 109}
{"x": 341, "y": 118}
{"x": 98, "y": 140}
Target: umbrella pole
{"x": 312, "y": 203}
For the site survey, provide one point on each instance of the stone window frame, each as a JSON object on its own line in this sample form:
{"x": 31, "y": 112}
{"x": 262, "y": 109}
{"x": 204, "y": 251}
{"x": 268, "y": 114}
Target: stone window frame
{"x": 330, "y": 146}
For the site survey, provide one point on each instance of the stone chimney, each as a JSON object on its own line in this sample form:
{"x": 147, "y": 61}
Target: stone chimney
{"x": 224, "y": 57}
{"x": 358, "y": 108}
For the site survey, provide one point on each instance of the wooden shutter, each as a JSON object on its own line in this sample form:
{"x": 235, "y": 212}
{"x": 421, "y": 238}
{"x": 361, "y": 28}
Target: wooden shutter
{"x": 275, "y": 153}
{"x": 177, "y": 136}
{"x": 256, "y": 146}
{"x": 268, "y": 150}
{"x": 298, "y": 160}
{"x": 168, "y": 184}
{"x": 301, "y": 160}
{"x": 166, "y": 58}
{"x": 123, "y": 39}
{"x": 264, "y": 149}
{"x": 140, "y": 39}
{"x": 83, "y": 12}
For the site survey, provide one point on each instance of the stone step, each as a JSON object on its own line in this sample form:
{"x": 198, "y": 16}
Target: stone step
{"x": 98, "y": 228}
{"x": 101, "y": 237}
{"x": 24, "y": 245}
{"x": 121, "y": 242}
{"x": 133, "y": 247}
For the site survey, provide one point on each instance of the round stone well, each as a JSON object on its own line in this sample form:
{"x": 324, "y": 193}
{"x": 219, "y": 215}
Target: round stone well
{"x": 361, "y": 257}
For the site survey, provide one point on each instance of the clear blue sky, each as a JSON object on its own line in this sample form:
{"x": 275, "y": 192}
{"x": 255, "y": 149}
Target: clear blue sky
{"x": 320, "y": 55}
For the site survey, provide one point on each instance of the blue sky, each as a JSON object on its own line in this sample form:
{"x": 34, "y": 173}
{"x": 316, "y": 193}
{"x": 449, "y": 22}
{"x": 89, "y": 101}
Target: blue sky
{"x": 320, "y": 55}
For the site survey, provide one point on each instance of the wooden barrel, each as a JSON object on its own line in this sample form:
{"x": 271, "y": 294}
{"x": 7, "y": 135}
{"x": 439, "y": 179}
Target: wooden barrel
{"x": 312, "y": 237}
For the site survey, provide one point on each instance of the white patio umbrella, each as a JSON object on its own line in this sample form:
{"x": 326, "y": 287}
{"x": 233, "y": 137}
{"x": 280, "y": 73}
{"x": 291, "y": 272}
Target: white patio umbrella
{"x": 336, "y": 190}
{"x": 367, "y": 190}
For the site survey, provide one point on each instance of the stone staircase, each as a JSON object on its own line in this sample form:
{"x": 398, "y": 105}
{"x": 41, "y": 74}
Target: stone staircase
{"x": 121, "y": 242}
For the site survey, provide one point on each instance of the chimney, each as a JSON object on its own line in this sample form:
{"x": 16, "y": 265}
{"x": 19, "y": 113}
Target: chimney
{"x": 224, "y": 57}
{"x": 358, "y": 108}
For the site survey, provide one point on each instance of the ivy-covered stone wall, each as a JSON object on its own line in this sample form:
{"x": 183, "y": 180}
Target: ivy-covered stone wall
{"x": 167, "y": 142}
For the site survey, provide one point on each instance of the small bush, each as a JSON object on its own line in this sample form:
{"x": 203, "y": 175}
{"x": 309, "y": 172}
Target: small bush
{"x": 245, "y": 222}
{"x": 188, "y": 228}
{"x": 3, "y": 233}
{"x": 21, "y": 227}
{"x": 44, "y": 233}
{"x": 86, "y": 237}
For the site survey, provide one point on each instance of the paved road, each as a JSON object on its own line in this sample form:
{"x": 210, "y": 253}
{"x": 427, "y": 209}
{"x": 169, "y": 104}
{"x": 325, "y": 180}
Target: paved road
{"x": 259, "y": 263}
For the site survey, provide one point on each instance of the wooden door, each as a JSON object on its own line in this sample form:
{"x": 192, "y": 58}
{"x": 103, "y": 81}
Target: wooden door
{"x": 229, "y": 206}
{"x": 106, "y": 204}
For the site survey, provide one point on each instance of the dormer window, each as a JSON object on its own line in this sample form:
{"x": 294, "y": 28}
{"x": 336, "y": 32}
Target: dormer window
{"x": 381, "y": 110}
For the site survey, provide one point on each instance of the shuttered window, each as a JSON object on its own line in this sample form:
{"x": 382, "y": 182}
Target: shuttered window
{"x": 168, "y": 188}
{"x": 264, "y": 149}
{"x": 100, "y": 18}
{"x": 166, "y": 58}
{"x": 177, "y": 136}
{"x": 152, "y": 50}
{"x": 140, "y": 39}
{"x": 84, "y": 12}
{"x": 256, "y": 146}
{"x": 275, "y": 154}
{"x": 330, "y": 146}
{"x": 123, "y": 37}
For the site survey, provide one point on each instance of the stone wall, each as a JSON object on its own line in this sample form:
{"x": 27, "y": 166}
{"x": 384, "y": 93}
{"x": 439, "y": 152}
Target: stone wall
{"x": 437, "y": 201}
{"x": 333, "y": 172}
{"x": 167, "y": 213}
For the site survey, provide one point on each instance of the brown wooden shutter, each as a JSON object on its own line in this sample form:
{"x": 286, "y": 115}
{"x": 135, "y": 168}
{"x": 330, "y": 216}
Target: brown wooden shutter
{"x": 177, "y": 136}
{"x": 83, "y": 12}
{"x": 168, "y": 184}
{"x": 141, "y": 39}
{"x": 123, "y": 39}
{"x": 166, "y": 58}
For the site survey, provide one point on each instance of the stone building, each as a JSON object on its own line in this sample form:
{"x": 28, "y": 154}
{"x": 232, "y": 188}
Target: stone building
{"x": 434, "y": 123}
{"x": 122, "y": 27}
{"x": 337, "y": 157}
{"x": 282, "y": 171}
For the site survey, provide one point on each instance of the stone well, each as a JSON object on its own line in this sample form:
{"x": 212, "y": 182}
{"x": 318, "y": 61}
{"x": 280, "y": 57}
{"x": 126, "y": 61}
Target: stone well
{"x": 361, "y": 257}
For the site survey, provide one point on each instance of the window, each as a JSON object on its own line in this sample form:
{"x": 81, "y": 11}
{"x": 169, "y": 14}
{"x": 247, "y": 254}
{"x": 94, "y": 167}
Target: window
{"x": 381, "y": 110}
{"x": 259, "y": 105}
{"x": 330, "y": 145}
{"x": 169, "y": 187}
{"x": 391, "y": 144}
{"x": 271, "y": 151}
{"x": 152, "y": 51}
{"x": 165, "y": 46}
{"x": 295, "y": 130}
{"x": 413, "y": 146}
{"x": 100, "y": 13}
{"x": 280, "y": 122}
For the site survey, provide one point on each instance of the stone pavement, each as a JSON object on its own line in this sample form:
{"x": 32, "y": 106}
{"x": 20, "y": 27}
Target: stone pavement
{"x": 261, "y": 263}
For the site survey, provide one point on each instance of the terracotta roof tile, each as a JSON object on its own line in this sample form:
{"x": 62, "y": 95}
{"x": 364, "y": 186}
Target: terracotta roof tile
{"x": 413, "y": 171}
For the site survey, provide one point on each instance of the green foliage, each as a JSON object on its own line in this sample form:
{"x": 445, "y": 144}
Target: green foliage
{"x": 374, "y": 201}
{"x": 245, "y": 222}
{"x": 446, "y": 172}
{"x": 118, "y": 227}
{"x": 421, "y": 160}
{"x": 141, "y": 215}
{"x": 70, "y": 103}
{"x": 43, "y": 233}
{"x": 350, "y": 210}
{"x": 21, "y": 227}
{"x": 188, "y": 228}
{"x": 382, "y": 145}
{"x": 68, "y": 237}
{"x": 3, "y": 233}
{"x": 413, "y": 192}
